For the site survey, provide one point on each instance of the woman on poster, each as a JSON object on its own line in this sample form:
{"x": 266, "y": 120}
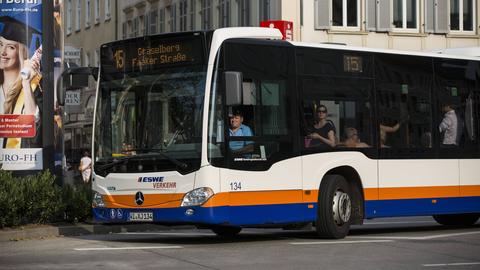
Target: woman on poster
{"x": 20, "y": 92}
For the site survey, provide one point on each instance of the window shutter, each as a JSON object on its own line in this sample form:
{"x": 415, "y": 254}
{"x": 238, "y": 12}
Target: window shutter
{"x": 441, "y": 18}
{"x": 322, "y": 14}
{"x": 430, "y": 11}
{"x": 275, "y": 10}
{"x": 255, "y": 12}
{"x": 384, "y": 17}
{"x": 371, "y": 10}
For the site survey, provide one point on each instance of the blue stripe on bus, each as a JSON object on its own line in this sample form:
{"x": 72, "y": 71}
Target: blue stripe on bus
{"x": 290, "y": 213}
{"x": 238, "y": 215}
{"x": 421, "y": 207}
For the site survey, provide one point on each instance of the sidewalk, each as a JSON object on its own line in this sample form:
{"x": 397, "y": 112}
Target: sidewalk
{"x": 55, "y": 230}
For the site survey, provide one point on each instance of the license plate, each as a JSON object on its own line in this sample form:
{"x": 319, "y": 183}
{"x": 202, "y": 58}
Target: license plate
{"x": 140, "y": 216}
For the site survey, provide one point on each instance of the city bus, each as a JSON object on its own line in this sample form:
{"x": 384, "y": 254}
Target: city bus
{"x": 166, "y": 148}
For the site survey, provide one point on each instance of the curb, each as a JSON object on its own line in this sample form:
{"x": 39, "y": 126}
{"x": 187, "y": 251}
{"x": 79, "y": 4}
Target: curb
{"x": 45, "y": 231}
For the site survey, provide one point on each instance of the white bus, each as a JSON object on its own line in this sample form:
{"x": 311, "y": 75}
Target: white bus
{"x": 164, "y": 151}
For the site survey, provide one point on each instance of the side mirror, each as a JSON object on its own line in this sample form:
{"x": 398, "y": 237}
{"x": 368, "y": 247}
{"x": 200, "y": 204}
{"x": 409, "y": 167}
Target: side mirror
{"x": 74, "y": 78}
{"x": 233, "y": 87}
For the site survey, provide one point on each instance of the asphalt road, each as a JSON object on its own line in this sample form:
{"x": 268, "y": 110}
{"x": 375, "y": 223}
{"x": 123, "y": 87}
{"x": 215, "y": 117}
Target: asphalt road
{"x": 406, "y": 243}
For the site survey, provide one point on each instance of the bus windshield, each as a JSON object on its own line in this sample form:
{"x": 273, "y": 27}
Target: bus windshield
{"x": 148, "y": 115}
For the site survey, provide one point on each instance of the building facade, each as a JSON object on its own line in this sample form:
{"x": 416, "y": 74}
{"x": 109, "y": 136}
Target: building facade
{"x": 87, "y": 25}
{"x": 417, "y": 25}
{"x": 149, "y": 17}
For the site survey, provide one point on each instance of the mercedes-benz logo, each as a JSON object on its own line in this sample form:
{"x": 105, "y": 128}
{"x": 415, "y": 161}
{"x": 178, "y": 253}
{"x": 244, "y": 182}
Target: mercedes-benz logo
{"x": 139, "y": 199}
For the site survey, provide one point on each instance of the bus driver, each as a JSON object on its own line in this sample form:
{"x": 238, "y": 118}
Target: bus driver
{"x": 237, "y": 128}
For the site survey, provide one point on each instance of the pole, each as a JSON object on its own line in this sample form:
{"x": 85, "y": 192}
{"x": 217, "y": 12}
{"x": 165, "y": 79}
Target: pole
{"x": 48, "y": 86}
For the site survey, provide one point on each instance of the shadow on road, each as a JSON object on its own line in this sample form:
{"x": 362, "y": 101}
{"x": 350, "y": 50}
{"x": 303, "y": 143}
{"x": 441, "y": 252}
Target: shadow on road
{"x": 203, "y": 237}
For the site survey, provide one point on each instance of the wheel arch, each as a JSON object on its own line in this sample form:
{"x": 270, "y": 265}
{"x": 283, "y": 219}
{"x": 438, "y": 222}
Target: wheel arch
{"x": 355, "y": 183}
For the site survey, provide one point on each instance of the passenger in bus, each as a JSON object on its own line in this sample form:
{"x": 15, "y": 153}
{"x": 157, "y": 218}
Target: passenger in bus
{"x": 426, "y": 139}
{"x": 237, "y": 128}
{"x": 448, "y": 126}
{"x": 384, "y": 129}
{"x": 352, "y": 140}
{"x": 323, "y": 132}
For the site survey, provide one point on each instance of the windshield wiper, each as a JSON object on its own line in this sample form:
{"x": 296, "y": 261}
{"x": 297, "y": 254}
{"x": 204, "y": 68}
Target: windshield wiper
{"x": 114, "y": 162}
{"x": 181, "y": 165}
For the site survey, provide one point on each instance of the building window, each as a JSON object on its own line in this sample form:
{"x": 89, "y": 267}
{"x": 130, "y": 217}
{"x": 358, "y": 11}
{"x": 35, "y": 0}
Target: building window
{"x": 124, "y": 30}
{"x": 243, "y": 12}
{"x": 265, "y": 10}
{"x": 172, "y": 21}
{"x": 405, "y": 14}
{"x": 206, "y": 14}
{"x": 192, "y": 14}
{"x": 97, "y": 57}
{"x": 108, "y": 7}
{"x": 161, "y": 21}
{"x": 141, "y": 25}
{"x": 87, "y": 13}
{"x": 97, "y": 11}
{"x": 462, "y": 15}
{"x": 153, "y": 22}
{"x": 79, "y": 15}
{"x": 183, "y": 15}
{"x": 224, "y": 13}
{"x": 69, "y": 17}
{"x": 345, "y": 13}
{"x": 86, "y": 60}
{"x": 135, "y": 28}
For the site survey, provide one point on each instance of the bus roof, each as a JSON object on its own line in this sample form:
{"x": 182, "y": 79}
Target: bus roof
{"x": 472, "y": 53}
{"x": 457, "y": 53}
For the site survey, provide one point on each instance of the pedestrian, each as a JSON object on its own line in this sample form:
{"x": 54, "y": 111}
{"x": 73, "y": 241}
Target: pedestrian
{"x": 85, "y": 167}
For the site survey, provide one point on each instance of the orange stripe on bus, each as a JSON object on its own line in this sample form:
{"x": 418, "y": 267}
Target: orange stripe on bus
{"x": 418, "y": 192}
{"x": 469, "y": 191}
{"x": 255, "y": 198}
{"x": 370, "y": 194}
{"x": 245, "y": 198}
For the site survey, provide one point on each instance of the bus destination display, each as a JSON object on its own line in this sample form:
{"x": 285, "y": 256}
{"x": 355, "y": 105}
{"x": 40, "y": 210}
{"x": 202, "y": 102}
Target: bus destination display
{"x": 153, "y": 54}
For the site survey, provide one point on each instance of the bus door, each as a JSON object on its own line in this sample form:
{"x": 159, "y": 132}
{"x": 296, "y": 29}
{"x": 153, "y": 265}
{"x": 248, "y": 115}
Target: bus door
{"x": 263, "y": 182}
{"x": 412, "y": 180}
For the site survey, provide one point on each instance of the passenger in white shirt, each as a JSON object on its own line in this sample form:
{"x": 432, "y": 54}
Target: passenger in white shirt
{"x": 448, "y": 127}
{"x": 86, "y": 167}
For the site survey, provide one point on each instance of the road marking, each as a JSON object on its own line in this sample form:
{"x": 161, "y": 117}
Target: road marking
{"x": 450, "y": 264}
{"x": 339, "y": 242}
{"x": 126, "y": 248}
{"x": 415, "y": 237}
{"x": 171, "y": 234}
{"x": 397, "y": 222}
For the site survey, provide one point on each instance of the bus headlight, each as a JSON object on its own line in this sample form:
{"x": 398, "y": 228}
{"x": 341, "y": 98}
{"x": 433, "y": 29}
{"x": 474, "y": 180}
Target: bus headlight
{"x": 97, "y": 200}
{"x": 197, "y": 196}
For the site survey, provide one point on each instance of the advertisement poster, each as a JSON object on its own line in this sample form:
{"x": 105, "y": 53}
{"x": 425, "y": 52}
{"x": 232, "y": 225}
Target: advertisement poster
{"x": 21, "y": 85}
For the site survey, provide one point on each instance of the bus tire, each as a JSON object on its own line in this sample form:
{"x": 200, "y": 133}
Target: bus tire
{"x": 334, "y": 211}
{"x": 457, "y": 219}
{"x": 226, "y": 231}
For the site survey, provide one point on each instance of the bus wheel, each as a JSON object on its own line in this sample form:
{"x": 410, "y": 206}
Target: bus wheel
{"x": 226, "y": 231}
{"x": 334, "y": 208}
{"x": 457, "y": 219}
